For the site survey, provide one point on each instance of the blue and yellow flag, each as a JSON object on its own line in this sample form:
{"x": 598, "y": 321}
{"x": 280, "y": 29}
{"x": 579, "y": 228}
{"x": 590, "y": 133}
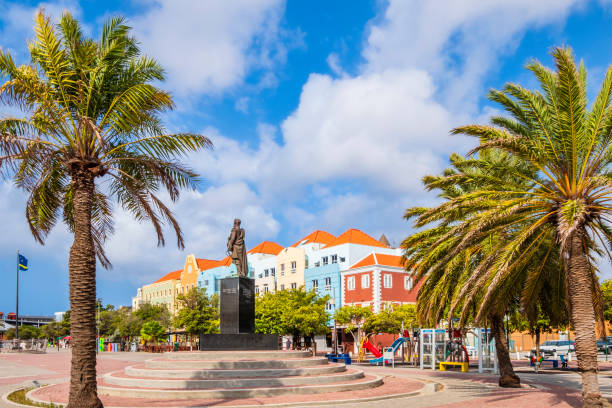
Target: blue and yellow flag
{"x": 23, "y": 263}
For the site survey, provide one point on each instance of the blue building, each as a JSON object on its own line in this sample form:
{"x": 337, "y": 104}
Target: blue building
{"x": 209, "y": 278}
{"x": 325, "y": 280}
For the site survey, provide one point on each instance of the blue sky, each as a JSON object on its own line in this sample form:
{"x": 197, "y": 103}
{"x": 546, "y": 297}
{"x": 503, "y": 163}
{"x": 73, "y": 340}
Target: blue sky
{"x": 324, "y": 115}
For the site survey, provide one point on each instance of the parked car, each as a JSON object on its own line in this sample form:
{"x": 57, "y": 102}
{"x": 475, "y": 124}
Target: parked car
{"x": 556, "y": 346}
{"x": 605, "y": 344}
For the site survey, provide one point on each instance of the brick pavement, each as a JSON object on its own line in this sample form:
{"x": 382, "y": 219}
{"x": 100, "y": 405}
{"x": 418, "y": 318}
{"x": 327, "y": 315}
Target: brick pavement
{"x": 459, "y": 389}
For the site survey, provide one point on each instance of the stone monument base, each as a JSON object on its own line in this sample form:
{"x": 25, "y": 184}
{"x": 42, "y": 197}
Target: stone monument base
{"x": 239, "y": 341}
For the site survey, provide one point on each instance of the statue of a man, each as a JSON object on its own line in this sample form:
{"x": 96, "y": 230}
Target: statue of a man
{"x": 237, "y": 250}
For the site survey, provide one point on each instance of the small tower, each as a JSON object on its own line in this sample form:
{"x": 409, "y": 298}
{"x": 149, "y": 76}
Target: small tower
{"x": 383, "y": 240}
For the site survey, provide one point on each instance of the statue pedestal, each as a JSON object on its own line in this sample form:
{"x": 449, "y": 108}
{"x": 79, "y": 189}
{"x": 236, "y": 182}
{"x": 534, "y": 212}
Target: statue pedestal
{"x": 237, "y": 313}
{"x": 237, "y": 305}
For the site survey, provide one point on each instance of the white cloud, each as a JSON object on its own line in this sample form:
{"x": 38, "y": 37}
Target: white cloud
{"x": 17, "y": 23}
{"x": 209, "y": 46}
{"x": 205, "y": 218}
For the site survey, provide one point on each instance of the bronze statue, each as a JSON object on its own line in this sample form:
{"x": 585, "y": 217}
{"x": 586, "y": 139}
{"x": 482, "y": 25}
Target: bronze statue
{"x": 237, "y": 250}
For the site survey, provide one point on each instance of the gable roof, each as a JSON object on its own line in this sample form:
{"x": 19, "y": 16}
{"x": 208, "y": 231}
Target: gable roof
{"x": 355, "y": 236}
{"x": 318, "y": 237}
{"x": 380, "y": 259}
{"x": 266, "y": 247}
{"x": 172, "y": 275}
{"x": 204, "y": 264}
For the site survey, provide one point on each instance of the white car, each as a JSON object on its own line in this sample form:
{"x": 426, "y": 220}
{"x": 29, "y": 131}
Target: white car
{"x": 556, "y": 346}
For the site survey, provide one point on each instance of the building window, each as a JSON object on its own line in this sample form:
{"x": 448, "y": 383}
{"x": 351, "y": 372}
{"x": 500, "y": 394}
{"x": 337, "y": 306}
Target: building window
{"x": 350, "y": 283}
{"x": 317, "y": 264}
{"x": 266, "y": 272}
{"x": 388, "y": 280}
{"x": 257, "y": 289}
{"x": 328, "y": 283}
{"x": 282, "y": 269}
{"x": 265, "y": 288}
{"x": 293, "y": 266}
{"x": 334, "y": 259}
{"x": 365, "y": 281}
{"x": 272, "y": 271}
{"x": 260, "y": 275}
{"x": 306, "y": 263}
{"x": 408, "y": 282}
{"x": 328, "y": 306}
{"x": 315, "y": 284}
{"x": 294, "y": 286}
{"x": 325, "y": 260}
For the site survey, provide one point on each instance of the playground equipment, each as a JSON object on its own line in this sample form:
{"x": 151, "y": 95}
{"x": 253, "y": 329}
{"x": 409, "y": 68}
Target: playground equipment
{"x": 365, "y": 344}
{"x": 435, "y": 349}
{"x": 389, "y": 353}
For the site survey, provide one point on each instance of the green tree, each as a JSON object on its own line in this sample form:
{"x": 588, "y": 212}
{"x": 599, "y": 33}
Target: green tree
{"x": 152, "y": 331}
{"x": 197, "y": 312}
{"x": 147, "y": 312}
{"x": 567, "y": 204}
{"x": 129, "y": 324}
{"x": 606, "y": 290}
{"x": 91, "y": 131}
{"x": 295, "y": 312}
{"x": 353, "y": 318}
{"x": 464, "y": 282}
{"x": 25, "y": 332}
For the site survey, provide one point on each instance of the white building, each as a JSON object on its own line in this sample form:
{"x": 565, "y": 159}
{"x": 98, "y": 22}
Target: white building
{"x": 262, "y": 260}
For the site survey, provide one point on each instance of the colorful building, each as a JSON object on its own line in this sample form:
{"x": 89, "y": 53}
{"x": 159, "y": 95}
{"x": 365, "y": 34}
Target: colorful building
{"x": 376, "y": 281}
{"x": 262, "y": 261}
{"x": 329, "y": 262}
{"x": 162, "y": 291}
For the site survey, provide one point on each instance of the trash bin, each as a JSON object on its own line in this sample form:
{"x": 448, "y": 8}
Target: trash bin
{"x": 176, "y": 346}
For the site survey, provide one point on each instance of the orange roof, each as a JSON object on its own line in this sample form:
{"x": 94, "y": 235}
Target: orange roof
{"x": 170, "y": 276}
{"x": 355, "y": 236}
{"x": 267, "y": 247}
{"x": 319, "y": 237}
{"x": 380, "y": 259}
{"x": 227, "y": 261}
{"x": 204, "y": 264}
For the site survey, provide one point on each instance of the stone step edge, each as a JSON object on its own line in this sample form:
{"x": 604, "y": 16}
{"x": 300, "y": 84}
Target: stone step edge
{"x": 218, "y": 365}
{"x": 158, "y": 384}
{"x": 239, "y": 392}
{"x": 307, "y": 371}
{"x": 429, "y": 387}
{"x": 224, "y": 354}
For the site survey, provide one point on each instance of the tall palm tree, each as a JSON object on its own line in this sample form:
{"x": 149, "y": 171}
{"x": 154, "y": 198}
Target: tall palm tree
{"x": 462, "y": 281}
{"x": 91, "y": 132}
{"x": 568, "y": 201}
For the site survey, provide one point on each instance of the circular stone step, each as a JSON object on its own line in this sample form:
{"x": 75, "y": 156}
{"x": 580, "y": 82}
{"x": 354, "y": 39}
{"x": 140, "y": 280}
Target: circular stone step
{"x": 235, "y": 355}
{"x": 265, "y": 372}
{"x": 231, "y": 365}
{"x": 368, "y": 382}
{"x": 112, "y": 378}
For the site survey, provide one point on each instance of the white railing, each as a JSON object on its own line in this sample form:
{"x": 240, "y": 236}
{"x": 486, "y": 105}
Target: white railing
{"x": 31, "y": 345}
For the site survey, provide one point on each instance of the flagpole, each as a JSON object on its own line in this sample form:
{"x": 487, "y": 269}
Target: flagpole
{"x": 17, "y": 302}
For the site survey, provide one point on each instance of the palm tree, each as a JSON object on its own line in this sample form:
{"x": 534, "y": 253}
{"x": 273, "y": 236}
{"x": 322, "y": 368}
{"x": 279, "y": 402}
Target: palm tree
{"x": 460, "y": 282}
{"x": 568, "y": 200}
{"x": 91, "y": 132}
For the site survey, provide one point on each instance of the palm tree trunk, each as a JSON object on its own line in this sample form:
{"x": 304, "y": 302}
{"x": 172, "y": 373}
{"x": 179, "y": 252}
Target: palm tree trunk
{"x": 537, "y": 343}
{"x": 507, "y": 377}
{"x": 583, "y": 318}
{"x": 82, "y": 271}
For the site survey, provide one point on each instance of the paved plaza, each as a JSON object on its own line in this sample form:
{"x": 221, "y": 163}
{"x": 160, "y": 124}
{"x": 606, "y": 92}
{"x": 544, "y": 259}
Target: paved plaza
{"x": 546, "y": 389}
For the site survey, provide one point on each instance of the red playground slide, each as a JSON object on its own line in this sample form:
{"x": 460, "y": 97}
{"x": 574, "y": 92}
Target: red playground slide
{"x": 371, "y": 348}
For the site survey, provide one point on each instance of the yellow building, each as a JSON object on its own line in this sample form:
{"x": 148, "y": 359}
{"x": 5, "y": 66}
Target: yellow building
{"x": 191, "y": 271}
{"x": 161, "y": 291}
{"x": 292, "y": 261}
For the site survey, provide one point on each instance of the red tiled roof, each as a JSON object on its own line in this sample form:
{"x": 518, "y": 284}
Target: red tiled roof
{"x": 355, "y": 236}
{"x": 380, "y": 259}
{"x": 171, "y": 275}
{"x": 267, "y": 247}
{"x": 319, "y": 237}
{"x": 204, "y": 264}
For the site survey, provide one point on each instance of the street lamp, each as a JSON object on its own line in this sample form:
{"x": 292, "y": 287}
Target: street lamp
{"x": 332, "y": 302}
